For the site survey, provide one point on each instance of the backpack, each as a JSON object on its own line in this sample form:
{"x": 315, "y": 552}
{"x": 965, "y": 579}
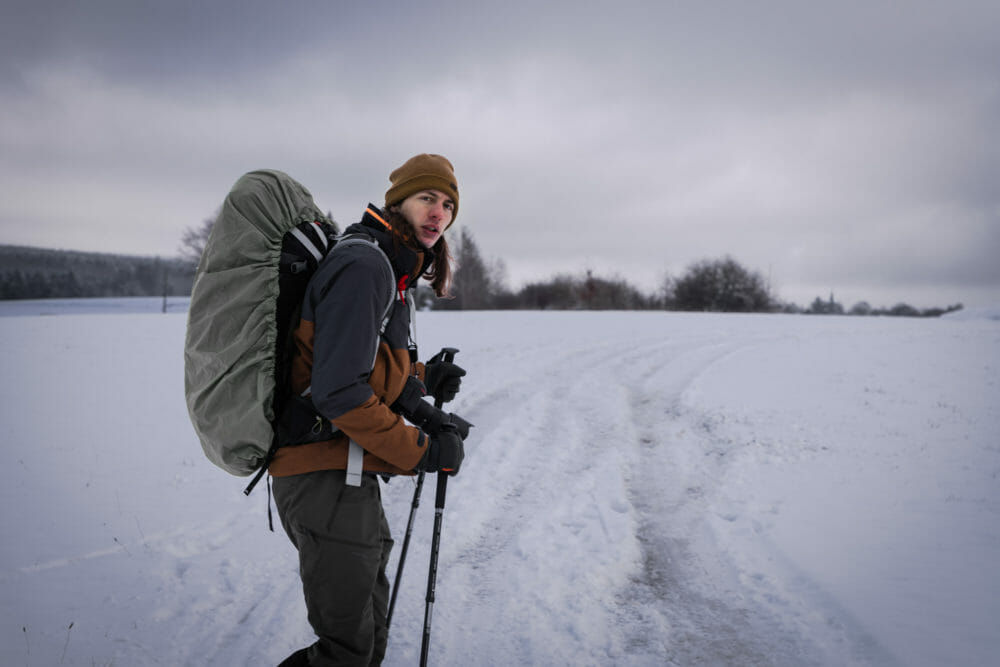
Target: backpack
{"x": 246, "y": 301}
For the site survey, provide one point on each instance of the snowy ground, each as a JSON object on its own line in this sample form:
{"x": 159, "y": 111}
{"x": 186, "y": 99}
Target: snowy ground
{"x": 640, "y": 489}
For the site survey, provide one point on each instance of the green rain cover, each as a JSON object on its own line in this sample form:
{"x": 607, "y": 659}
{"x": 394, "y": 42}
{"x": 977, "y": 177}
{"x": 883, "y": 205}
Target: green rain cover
{"x": 229, "y": 348}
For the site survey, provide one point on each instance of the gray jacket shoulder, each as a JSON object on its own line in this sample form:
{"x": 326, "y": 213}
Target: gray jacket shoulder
{"x": 354, "y": 265}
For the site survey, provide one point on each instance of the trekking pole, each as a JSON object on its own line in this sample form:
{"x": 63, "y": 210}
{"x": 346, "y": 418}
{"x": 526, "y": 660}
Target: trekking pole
{"x": 448, "y": 354}
{"x": 406, "y": 545}
{"x": 442, "y": 490}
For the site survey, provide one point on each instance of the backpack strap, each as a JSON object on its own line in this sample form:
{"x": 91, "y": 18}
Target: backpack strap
{"x": 355, "y": 464}
{"x": 308, "y": 244}
{"x": 355, "y": 453}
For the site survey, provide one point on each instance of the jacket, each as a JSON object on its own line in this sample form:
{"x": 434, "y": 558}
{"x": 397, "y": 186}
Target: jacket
{"x": 336, "y": 340}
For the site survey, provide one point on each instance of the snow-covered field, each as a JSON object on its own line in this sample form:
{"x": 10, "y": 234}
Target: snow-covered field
{"x": 640, "y": 489}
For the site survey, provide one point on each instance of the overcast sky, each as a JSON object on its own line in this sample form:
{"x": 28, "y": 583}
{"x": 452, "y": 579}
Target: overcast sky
{"x": 849, "y": 146}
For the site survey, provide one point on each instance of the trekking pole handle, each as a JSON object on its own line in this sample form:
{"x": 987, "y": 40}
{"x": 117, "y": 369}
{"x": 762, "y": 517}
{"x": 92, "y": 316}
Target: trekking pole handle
{"x": 447, "y": 354}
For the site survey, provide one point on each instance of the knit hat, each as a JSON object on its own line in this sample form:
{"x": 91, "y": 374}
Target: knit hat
{"x": 423, "y": 172}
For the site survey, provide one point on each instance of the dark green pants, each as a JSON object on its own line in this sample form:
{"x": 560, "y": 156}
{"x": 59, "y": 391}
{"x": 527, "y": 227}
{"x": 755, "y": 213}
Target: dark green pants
{"x": 343, "y": 542}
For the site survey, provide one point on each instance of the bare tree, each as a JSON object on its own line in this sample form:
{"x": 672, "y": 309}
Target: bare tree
{"x": 474, "y": 280}
{"x": 194, "y": 239}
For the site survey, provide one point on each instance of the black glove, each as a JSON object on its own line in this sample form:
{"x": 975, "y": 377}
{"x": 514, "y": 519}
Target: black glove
{"x": 422, "y": 414}
{"x": 445, "y": 453}
{"x": 460, "y": 425}
{"x": 443, "y": 378}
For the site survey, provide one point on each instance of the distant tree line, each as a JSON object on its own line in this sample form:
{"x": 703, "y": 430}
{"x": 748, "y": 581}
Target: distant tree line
{"x": 832, "y": 307}
{"x": 711, "y": 285}
{"x": 39, "y": 273}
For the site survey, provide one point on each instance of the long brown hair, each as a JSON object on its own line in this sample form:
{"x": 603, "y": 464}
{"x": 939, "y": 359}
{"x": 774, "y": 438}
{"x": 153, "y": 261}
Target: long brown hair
{"x": 439, "y": 272}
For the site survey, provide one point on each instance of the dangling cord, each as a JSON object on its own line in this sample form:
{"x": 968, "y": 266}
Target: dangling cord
{"x": 412, "y": 303}
{"x": 270, "y": 517}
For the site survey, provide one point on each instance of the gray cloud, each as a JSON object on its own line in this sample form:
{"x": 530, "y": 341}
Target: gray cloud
{"x": 847, "y": 147}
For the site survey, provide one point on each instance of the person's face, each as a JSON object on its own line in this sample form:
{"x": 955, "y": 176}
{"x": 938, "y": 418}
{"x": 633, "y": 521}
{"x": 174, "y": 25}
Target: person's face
{"x": 429, "y": 211}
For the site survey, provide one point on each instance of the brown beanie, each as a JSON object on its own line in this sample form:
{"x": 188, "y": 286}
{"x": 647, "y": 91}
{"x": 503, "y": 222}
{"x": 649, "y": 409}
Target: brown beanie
{"x": 423, "y": 172}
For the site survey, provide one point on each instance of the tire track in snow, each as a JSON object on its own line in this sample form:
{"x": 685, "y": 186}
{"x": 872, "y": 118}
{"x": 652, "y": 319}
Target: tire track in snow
{"x": 689, "y": 619}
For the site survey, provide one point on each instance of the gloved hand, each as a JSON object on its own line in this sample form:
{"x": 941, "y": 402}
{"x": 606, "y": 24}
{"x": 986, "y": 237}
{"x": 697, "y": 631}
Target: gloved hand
{"x": 443, "y": 378}
{"x": 422, "y": 414}
{"x": 432, "y": 420}
{"x": 445, "y": 453}
{"x": 461, "y": 426}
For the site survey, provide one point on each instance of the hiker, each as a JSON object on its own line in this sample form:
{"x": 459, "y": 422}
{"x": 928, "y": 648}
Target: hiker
{"x": 339, "y": 529}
